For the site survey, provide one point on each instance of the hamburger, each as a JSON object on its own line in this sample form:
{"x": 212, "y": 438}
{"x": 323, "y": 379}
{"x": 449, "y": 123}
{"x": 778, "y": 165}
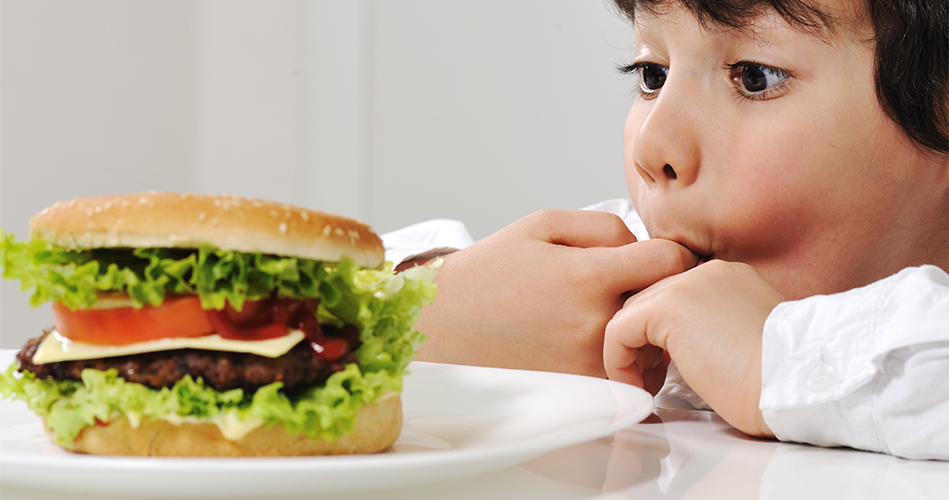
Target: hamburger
{"x": 202, "y": 325}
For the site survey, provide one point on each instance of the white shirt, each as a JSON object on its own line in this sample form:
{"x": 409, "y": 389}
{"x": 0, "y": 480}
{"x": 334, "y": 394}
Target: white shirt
{"x": 867, "y": 368}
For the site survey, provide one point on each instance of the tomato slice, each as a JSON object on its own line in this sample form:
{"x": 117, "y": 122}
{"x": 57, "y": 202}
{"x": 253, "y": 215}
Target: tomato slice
{"x": 184, "y": 317}
{"x": 177, "y": 317}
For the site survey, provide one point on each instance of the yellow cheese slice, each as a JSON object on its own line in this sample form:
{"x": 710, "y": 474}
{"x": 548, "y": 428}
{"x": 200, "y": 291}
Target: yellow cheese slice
{"x": 57, "y": 348}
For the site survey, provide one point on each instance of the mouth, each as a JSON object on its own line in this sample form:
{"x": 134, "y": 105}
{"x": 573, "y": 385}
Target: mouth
{"x": 703, "y": 259}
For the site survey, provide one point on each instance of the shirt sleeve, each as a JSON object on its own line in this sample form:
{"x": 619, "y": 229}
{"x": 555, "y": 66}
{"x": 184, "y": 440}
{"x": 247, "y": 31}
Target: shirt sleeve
{"x": 867, "y": 368}
{"x": 425, "y": 240}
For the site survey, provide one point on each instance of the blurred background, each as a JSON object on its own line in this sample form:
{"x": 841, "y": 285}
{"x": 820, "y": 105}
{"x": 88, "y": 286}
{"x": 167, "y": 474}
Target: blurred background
{"x": 389, "y": 111}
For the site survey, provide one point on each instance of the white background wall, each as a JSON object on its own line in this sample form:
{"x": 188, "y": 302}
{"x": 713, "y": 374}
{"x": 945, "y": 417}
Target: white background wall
{"x": 390, "y": 111}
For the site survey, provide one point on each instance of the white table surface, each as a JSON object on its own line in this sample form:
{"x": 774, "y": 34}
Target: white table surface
{"x": 673, "y": 454}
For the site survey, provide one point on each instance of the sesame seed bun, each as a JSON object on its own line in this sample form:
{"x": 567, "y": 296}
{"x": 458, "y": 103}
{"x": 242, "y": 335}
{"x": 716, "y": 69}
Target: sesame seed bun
{"x": 181, "y": 220}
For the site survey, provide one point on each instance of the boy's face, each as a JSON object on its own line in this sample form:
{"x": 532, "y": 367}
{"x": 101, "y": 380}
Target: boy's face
{"x": 769, "y": 147}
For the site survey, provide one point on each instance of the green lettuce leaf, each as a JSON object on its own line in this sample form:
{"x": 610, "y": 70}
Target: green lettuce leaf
{"x": 146, "y": 275}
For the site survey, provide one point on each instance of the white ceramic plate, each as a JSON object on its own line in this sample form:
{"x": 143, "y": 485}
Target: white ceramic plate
{"x": 458, "y": 421}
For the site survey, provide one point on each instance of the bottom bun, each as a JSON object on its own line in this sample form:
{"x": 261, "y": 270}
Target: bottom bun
{"x": 377, "y": 426}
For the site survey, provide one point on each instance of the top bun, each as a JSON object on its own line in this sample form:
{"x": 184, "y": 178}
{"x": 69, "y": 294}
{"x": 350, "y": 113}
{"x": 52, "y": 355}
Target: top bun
{"x": 173, "y": 220}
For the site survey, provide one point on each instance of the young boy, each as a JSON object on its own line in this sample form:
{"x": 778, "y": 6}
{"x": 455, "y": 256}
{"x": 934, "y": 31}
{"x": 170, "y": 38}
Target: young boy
{"x": 797, "y": 150}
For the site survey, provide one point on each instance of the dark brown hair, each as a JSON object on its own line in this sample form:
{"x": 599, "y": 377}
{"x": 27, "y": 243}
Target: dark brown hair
{"x": 911, "y": 51}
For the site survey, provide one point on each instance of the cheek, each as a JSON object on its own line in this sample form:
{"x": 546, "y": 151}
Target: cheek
{"x": 761, "y": 195}
{"x": 792, "y": 215}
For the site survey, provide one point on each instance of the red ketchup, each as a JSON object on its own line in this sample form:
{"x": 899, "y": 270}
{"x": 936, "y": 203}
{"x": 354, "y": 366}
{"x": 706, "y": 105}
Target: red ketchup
{"x": 271, "y": 318}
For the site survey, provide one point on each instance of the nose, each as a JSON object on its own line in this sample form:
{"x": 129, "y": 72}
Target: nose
{"x": 666, "y": 147}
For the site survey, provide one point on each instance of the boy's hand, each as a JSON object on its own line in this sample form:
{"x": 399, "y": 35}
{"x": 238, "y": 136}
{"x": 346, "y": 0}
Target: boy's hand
{"x": 709, "y": 320}
{"x": 538, "y": 294}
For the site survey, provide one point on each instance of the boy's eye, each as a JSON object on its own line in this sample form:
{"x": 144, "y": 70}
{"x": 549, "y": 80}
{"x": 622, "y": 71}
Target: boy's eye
{"x": 755, "y": 80}
{"x": 652, "y": 77}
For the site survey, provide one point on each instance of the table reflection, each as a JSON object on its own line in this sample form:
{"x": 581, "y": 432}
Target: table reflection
{"x": 686, "y": 454}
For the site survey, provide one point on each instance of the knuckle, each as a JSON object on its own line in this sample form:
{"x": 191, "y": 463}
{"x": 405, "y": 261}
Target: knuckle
{"x": 726, "y": 268}
{"x": 547, "y": 219}
{"x": 546, "y": 214}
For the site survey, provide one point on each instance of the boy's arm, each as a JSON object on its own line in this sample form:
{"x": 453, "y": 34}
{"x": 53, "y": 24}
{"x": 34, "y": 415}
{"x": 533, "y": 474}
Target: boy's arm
{"x": 868, "y": 368}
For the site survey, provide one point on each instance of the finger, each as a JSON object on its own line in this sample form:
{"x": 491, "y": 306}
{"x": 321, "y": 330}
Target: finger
{"x": 580, "y": 228}
{"x": 636, "y": 266}
{"x": 622, "y": 349}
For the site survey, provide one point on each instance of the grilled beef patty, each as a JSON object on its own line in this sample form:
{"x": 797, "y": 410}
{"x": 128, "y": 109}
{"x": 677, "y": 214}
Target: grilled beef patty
{"x": 297, "y": 369}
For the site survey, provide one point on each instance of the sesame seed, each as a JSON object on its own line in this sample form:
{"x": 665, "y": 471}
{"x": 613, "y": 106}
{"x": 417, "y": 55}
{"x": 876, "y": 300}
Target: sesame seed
{"x": 202, "y": 216}
{"x": 327, "y": 229}
{"x": 306, "y": 216}
{"x": 283, "y": 228}
{"x": 339, "y": 232}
